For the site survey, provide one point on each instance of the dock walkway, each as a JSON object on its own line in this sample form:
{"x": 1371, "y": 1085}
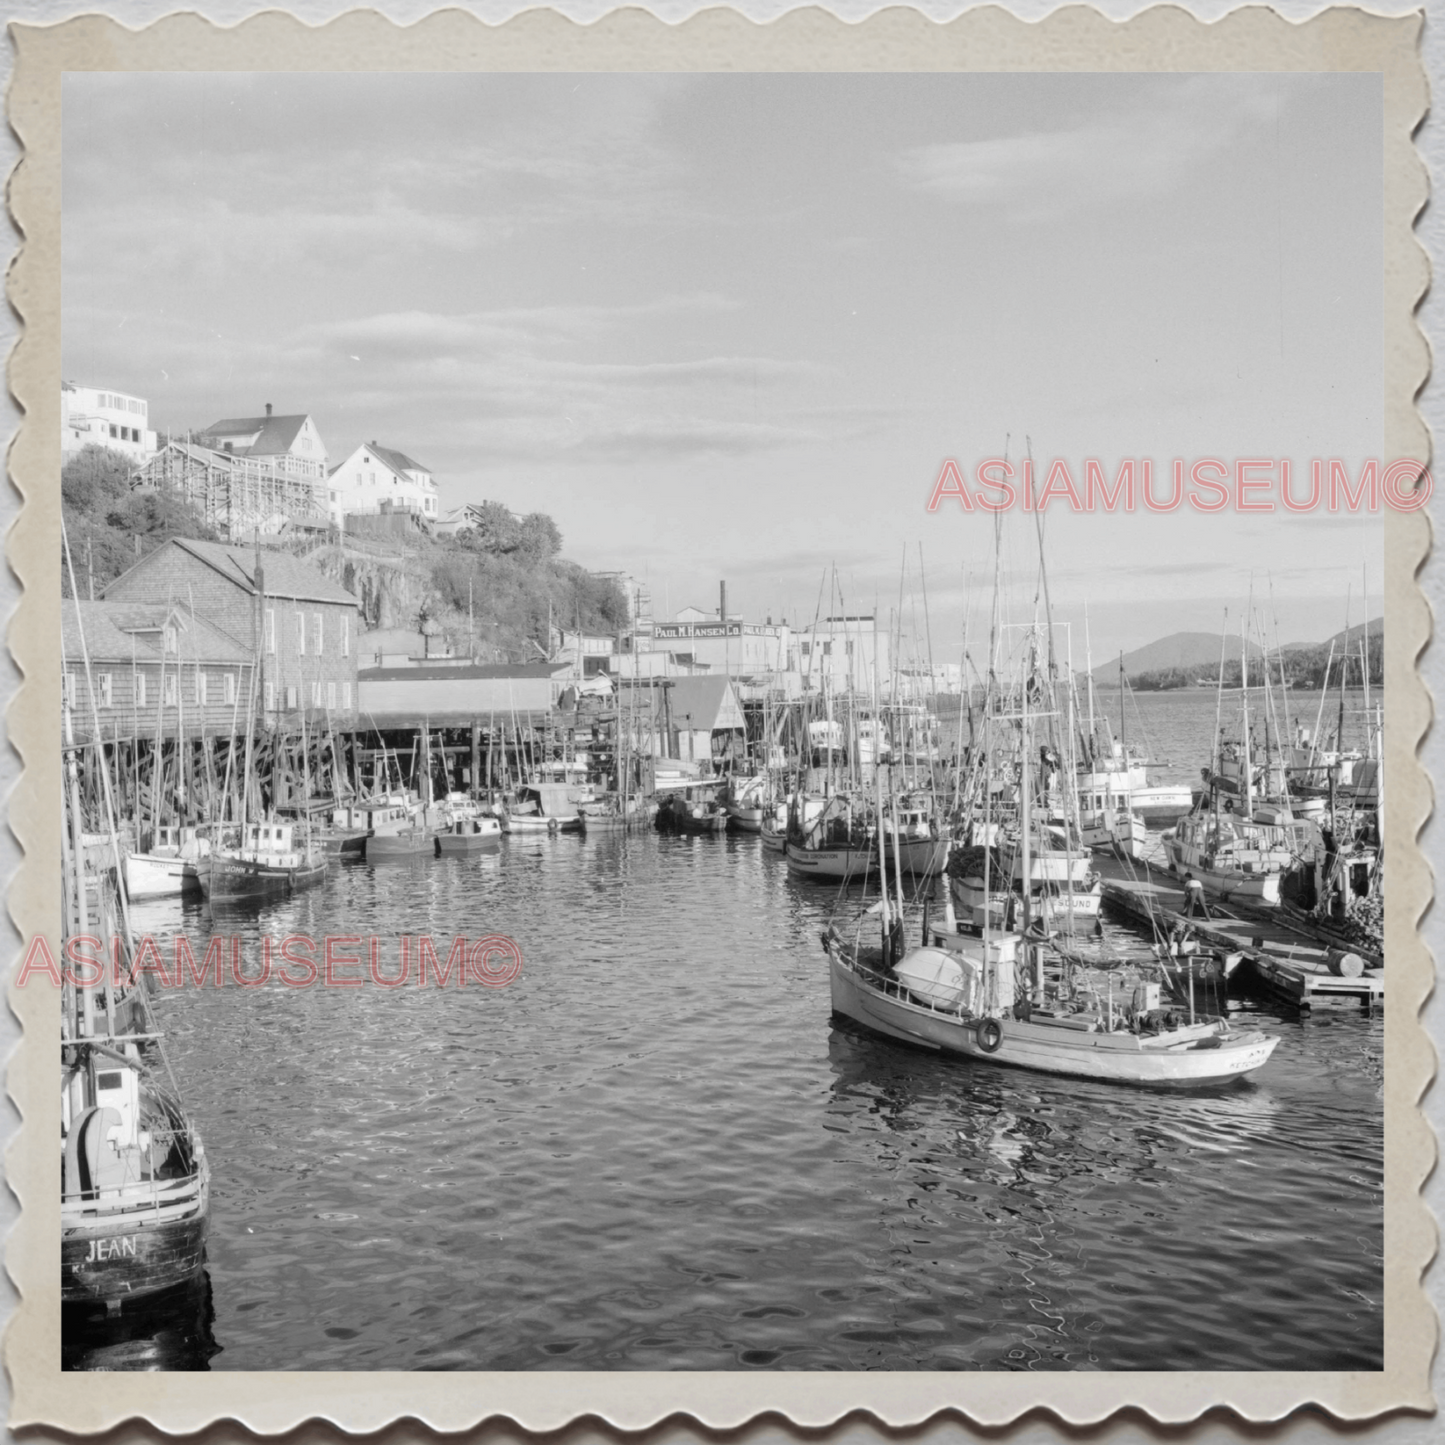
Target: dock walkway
{"x": 1282, "y": 957}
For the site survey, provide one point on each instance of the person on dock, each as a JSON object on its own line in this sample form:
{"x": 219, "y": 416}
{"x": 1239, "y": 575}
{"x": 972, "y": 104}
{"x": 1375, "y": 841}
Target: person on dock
{"x": 1194, "y": 904}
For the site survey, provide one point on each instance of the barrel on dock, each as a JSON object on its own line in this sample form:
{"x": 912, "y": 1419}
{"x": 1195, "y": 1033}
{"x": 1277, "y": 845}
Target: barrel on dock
{"x": 1345, "y": 964}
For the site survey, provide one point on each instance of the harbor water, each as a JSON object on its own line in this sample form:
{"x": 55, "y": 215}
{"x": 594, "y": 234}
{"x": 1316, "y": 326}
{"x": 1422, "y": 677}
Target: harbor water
{"x": 655, "y": 1149}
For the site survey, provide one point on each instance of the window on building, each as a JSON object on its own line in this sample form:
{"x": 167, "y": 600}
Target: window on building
{"x": 301, "y": 634}
{"x": 318, "y": 632}
{"x": 270, "y": 697}
{"x": 807, "y": 649}
{"x": 346, "y": 696}
{"x": 170, "y": 690}
{"x": 848, "y": 648}
{"x": 140, "y": 689}
{"x": 292, "y": 701}
{"x": 331, "y": 696}
{"x": 827, "y": 649}
{"x": 316, "y": 694}
{"x": 202, "y": 688}
{"x": 173, "y": 640}
{"x": 112, "y": 429}
{"x": 345, "y": 636}
{"x": 230, "y": 689}
{"x": 270, "y": 632}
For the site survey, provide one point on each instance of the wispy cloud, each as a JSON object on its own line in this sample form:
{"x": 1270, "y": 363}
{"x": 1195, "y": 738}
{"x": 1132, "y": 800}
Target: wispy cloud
{"x": 1145, "y": 150}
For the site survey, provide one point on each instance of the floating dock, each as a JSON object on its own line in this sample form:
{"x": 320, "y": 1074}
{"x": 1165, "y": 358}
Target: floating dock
{"x": 1279, "y": 955}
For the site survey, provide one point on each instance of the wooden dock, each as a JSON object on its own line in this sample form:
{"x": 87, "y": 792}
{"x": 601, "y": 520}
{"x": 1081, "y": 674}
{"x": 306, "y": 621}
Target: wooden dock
{"x": 1278, "y": 954}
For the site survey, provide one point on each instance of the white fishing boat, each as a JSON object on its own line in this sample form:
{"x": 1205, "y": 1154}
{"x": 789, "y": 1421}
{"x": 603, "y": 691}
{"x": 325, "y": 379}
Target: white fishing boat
{"x": 829, "y": 838}
{"x": 1231, "y": 856}
{"x": 953, "y": 1001}
{"x": 985, "y": 996}
{"x": 168, "y": 868}
{"x": 748, "y": 801}
{"x": 911, "y": 830}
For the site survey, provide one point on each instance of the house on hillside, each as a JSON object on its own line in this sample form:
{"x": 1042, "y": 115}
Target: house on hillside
{"x": 376, "y": 479}
{"x": 91, "y": 417}
{"x": 291, "y": 444}
{"x": 241, "y": 497}
{"x": 464, "y": 518}
{"x": 308, "y": 623}
{"x": 155, "y": 668}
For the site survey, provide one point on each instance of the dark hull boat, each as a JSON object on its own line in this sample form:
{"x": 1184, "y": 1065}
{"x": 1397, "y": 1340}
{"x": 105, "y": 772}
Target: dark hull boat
{"x": 268, "y": 865}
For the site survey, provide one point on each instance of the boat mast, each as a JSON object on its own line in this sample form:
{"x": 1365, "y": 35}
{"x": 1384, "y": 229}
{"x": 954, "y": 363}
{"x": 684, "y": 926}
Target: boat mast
{"x": 1244, "y": 708}
{"x": 878, "y": 813}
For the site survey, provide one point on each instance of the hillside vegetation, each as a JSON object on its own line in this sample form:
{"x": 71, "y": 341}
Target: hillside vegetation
{"x": 491, "y": 589}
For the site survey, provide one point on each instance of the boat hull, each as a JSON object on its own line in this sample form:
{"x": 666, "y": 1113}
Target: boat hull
{"x": 149, "y": 876}
{"x": 922, "y": 857}
{"x": 414, "y": 843}
{"x": 237, "y": 879}
{"x": 1120, "y": 1058}
{"x": 1164, "y": 803}
{"x": 830, "y": 863}
{"x": 459, "y": 844}
{"x": 110, "y": 1256}
{"x": 773, "y": 841}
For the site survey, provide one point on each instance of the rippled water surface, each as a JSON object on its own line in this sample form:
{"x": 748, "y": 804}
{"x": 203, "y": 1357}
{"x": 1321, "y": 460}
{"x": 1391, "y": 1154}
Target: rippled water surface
{"x": 655, "y": 1150}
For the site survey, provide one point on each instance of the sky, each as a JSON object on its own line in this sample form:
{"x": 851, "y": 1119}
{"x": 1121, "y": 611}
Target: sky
{"x": 729, "y": 327}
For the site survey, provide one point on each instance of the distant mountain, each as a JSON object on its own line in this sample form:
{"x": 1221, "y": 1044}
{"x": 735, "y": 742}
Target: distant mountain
{"x": 1349, "y": 640}
{"x": 1178, "y": 650}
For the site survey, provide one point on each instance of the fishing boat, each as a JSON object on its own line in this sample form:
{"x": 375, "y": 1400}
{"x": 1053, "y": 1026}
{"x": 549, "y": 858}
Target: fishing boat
{"x": 542, "y": 808}
{"x": 611, "y": 813}
{"x": 774, "y": 828}
{"x": 985, "y": 996}
{"x": 748, "y": 802}
{"x": 134, "y": 1180}
{"x": 168, "y": 868}
{"x": 913, "y": 838}
{"x": 135, "y": 1183}
{"x": 682, "y": 814}
{"x": 1233, "y": 857}
{"x": 270, "y": 862}
{"x": 956, "y": 999}
{"x": 469, "y": 835}
{"x": 830, "y": 838}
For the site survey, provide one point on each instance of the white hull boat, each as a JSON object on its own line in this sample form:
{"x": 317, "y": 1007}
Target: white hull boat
{"x": 1077, "y": 1045}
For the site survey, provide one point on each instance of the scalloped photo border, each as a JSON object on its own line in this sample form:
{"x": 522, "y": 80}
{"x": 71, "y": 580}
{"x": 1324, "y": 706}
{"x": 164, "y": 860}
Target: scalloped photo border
{"x": 1075, "y": 39}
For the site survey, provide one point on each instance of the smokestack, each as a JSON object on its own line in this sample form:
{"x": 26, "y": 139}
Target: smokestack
{"x": 268, "y": 408}
{"x": 722, "y": 601}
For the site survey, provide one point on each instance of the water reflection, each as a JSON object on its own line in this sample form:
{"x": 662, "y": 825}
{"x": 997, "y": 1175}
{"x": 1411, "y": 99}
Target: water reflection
{"x": 169, "y": 1330}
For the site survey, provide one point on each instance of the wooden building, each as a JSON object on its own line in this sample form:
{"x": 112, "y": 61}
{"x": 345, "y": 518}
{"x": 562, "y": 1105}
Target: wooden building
{"x": 505, "y": 695}
{"x": 155, "y": 671}
{"x": 308, "y": 624}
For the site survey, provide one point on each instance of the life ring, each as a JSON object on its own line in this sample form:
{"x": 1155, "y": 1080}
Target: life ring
{"x": 989, "y": 1035}
{"x": 551, "y": 825}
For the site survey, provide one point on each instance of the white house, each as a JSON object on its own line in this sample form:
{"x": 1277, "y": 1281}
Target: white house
{"x": 288, "y": 445}
{"x": 104, "y": 418}
{"x": 379, "y": 479}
